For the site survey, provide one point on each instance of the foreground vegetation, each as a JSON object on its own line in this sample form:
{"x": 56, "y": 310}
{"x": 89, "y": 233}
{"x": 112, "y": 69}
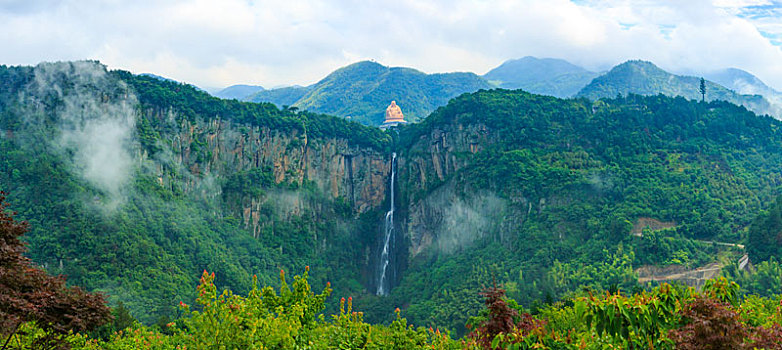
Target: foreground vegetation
{"x": 665, "y": 317}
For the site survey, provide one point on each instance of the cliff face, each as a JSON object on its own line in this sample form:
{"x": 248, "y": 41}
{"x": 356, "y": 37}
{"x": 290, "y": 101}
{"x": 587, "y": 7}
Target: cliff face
{"x": 197, "y": 152}
{"x": 443, "y": 211}
{"x": 436, "y": 156}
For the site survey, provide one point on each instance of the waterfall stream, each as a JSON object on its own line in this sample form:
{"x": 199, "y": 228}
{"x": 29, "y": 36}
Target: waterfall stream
{"x": 385, "y": 266}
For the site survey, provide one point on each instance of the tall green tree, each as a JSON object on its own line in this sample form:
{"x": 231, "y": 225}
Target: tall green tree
{"x": 703, "y": 89}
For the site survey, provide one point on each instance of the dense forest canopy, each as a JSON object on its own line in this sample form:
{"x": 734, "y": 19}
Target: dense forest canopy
{"x": 546, "y": 197}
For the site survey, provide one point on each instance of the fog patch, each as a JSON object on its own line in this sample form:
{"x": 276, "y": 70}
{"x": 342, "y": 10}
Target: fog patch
{"x": 600, "y": 182}
{"x": 94, "y": 118}
{"x": 774, "y": 98}
{"x": 468, "y": 219}
{"x": 286, "y": 203}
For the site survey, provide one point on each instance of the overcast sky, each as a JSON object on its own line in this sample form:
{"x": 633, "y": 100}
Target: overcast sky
{"x": 219, "y": 43}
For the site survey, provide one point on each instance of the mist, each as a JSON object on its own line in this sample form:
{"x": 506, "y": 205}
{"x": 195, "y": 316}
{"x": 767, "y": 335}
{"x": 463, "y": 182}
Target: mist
{"x": 94, "y": 117}
{"x": 465, "y": 220}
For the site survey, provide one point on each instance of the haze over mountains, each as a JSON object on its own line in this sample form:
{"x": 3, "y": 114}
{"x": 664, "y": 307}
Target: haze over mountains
{"x": 745, "y": 83}
{"x": 238, "y": 91}
{"x": 362, "y": 90}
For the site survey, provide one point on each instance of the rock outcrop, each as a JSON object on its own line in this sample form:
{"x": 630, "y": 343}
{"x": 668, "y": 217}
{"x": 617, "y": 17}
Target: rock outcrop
{"x": 198, "y": 152}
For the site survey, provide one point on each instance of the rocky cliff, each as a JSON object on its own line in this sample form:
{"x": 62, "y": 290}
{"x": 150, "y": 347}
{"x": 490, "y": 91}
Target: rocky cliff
{"x": 444, "y": 211}
{"x": 197, "y": 152}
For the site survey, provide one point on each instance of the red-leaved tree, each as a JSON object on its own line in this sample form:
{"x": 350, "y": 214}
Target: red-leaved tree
{"x": 501, "y": 319}
{"x": 28, "y": 294}
{"x": 711, "y": 325}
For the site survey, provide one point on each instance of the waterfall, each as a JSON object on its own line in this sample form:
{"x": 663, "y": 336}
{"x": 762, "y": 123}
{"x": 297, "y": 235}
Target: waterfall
{"x": 385, "y": 268}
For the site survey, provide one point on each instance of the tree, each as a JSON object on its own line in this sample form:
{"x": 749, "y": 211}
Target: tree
{"x": 28, "y": 294}
{"x": 711, "y": 324}
{"x": 500, "y": 319}
{"x": 703, "y": 89}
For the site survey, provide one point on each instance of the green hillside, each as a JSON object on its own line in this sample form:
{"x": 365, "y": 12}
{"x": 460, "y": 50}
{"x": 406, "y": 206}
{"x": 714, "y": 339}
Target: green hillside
{"x": 744, "y": 82}
{"x": 563, "y": 183}
{"x": 363, "y": 90}
{"x": 644, "y": 78}
{"x": 545, "y": 76}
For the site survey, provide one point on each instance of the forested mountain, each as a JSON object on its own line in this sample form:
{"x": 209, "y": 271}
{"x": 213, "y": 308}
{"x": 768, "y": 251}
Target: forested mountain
{"x": 644, "y": 78}
{"x": 545, "y": 76}
{"x": 543, "y": 193}
{"x": 238, "y": 92}
{"x": 363, "y": 90}
{"x": 134, "y": 186}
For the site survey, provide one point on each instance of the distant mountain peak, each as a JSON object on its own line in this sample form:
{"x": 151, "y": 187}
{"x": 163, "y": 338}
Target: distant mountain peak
{"x": 239, "y": 91}
{"x": 638, "y": 65}
{"x": 366, "y": 63}
{"x": 546, "y": 76}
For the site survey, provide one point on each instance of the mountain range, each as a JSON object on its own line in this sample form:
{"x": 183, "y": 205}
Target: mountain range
{"x": 362, "y": 90}
{"x": 134, "y": 185}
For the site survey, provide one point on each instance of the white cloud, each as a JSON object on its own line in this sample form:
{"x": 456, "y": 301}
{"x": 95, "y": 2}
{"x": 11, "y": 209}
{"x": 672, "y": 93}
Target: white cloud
{"x": 271, "y": 42}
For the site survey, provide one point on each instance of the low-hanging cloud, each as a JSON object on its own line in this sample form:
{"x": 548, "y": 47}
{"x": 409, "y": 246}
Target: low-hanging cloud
{"x": 91, "y": 124}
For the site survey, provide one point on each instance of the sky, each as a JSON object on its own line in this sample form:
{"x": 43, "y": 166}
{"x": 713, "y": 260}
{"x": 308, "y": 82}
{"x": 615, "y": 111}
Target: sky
{"x": 271, "y": 43}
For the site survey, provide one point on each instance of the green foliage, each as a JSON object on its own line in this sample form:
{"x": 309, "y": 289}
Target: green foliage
{"x": 262, "y": 319}
{"x": 191, "y": 103}
{"x": 615, "y": 271}
{"x": 290, "y": 318}
{"x": 722, "y": 290}
{"x": 764, "y": 238}
{"x": 639, "y": 321}
{"x": 284, "y": 97}
{"x": 573, "y": 178}
{"x": 28, "y": 296}
{"x": 666, "y": 317}
{"x": 171, "y": 224}
{"x": 765, "y": 280}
